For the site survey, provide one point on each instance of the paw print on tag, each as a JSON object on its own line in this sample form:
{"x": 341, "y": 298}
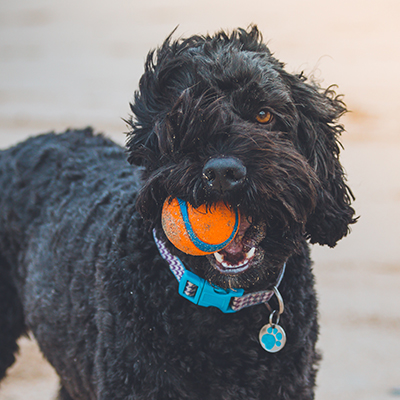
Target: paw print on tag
{"x": 272, "y": 338}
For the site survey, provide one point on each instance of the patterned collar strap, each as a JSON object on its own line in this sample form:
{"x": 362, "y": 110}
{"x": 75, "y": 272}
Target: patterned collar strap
{"x": 200, "y": 292}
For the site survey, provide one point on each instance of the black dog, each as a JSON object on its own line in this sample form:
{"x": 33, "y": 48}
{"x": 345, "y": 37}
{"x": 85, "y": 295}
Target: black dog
{"x": 215, "y": 118}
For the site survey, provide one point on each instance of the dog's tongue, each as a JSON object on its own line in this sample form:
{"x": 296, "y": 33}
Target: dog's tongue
{"x": 236, "y": 246}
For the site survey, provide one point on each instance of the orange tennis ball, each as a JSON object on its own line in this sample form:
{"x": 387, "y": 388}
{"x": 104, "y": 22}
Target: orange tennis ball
{"x": 199, "y": 231}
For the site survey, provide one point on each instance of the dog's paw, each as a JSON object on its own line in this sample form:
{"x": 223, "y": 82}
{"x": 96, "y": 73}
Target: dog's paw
{"x": 272, "y": 338}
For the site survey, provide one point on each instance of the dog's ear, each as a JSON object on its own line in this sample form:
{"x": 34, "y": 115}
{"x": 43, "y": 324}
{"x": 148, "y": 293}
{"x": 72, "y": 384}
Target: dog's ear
{"x": 142, "y": 144}
{"x": 149, "y": 104}
{"x": 318, "y": 139}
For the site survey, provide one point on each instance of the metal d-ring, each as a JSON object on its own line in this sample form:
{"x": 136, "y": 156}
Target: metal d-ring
{"x": 280, "y": 300}
{"x": 276, "y": 313}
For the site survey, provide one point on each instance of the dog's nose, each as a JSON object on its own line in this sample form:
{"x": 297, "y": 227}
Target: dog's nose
{"x": 224, "y": 174}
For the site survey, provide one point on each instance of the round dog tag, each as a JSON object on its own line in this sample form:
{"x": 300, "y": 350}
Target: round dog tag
{"x": 272, "y": 338}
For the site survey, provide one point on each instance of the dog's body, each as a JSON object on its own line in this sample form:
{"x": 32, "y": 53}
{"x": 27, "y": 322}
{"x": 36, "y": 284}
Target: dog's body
{"x": 216, "y": 118}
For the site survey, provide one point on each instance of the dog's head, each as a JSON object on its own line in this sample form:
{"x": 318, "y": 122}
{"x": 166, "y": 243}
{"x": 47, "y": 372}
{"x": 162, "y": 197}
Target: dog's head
{"x": 218, "y": 118}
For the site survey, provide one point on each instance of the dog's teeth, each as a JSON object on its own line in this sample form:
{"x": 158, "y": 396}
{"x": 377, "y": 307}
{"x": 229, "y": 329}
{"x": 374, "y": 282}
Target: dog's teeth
{"x": 219, "y": 257}
{"x": 234, "y": 266}
{"x": 251, "y": 252}
{"x": 221, "y": 260}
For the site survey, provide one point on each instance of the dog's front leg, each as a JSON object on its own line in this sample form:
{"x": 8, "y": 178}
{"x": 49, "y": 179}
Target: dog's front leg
{"x": 134, "y": 351}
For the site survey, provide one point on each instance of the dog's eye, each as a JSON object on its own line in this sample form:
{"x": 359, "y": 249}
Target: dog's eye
{"x": 264, "y": 117}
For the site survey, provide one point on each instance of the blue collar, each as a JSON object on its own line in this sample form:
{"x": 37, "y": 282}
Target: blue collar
{"x": 201, "y": 292}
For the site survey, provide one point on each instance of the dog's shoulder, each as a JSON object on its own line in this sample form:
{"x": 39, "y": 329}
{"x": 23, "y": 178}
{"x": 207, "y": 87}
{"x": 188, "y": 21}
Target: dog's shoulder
{"x": 71, "y": 143}
{"x": 72, "y": 168}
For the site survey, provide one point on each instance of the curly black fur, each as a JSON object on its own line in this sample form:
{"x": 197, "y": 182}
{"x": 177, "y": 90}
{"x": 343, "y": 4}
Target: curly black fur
{"x": 79, "y": 267}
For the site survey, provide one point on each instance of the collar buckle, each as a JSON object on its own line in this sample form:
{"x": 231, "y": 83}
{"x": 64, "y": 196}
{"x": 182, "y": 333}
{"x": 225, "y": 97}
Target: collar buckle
{"x": 207, "y": 295}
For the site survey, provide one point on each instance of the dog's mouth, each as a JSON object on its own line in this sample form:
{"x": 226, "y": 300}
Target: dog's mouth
{"x": 242, "y": 252}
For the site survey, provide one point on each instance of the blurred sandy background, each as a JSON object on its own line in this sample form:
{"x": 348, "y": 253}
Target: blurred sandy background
{"x": 76, "y": 63}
